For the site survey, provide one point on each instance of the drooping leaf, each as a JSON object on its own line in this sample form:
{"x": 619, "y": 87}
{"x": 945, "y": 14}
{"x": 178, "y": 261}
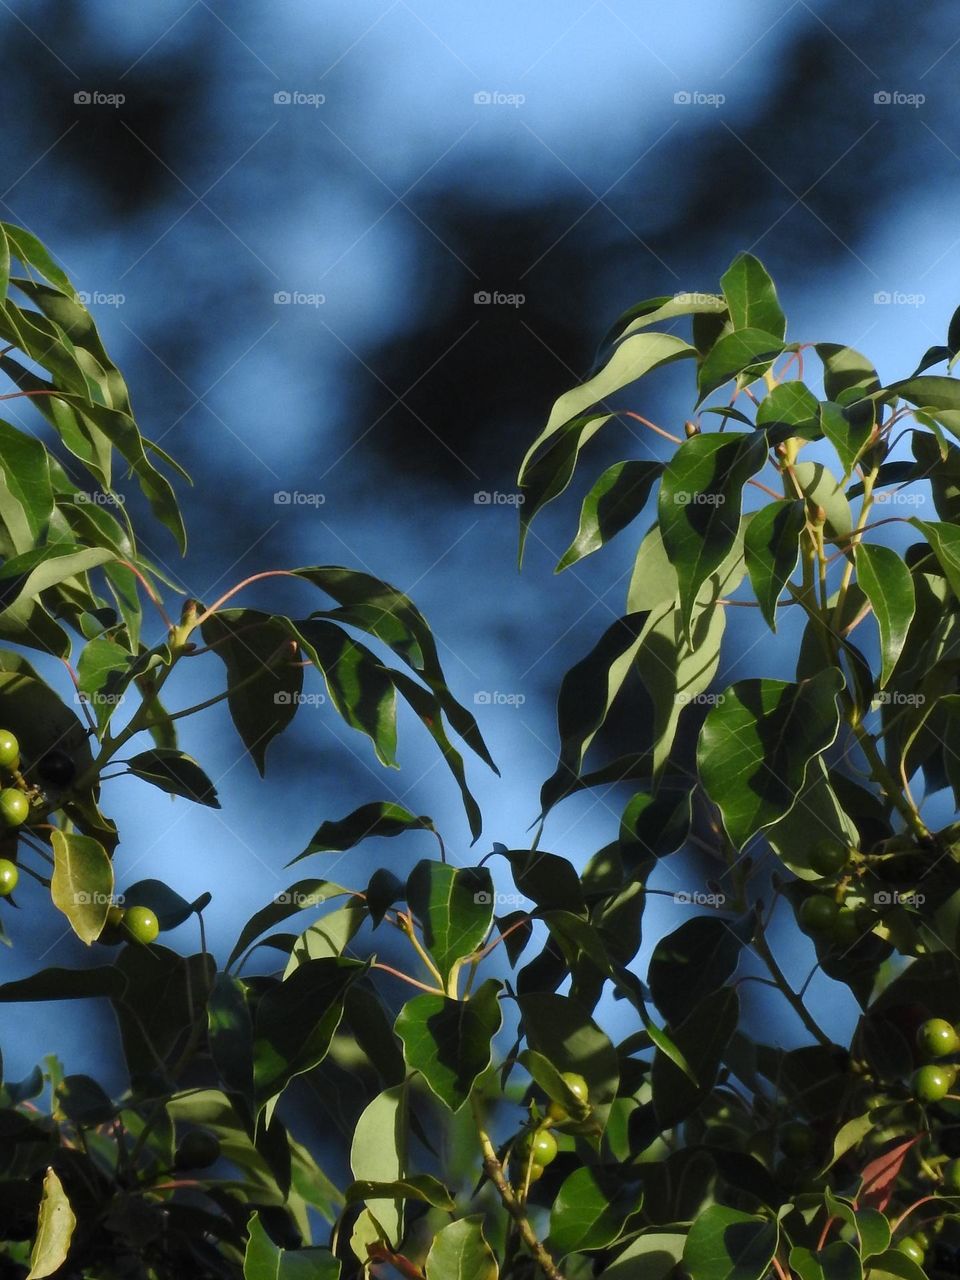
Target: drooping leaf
{"x": 55, "y": 1227}
{"x": 378, "y": 818}
{"x": 888, "y": 585}
{"x": 302, "y": 896}
{"x": 460, "y": 1252}
{"x": 848, "y": 433}
{"x": 615, "y": 500}
{"x": 700, "y": 502}
{"x": 378, "y": 1154}
{"x": 755, "y": 746}
{"x": 26, "y": 496}
{"x": 82, "y": 883}
{"x": 256, "y": 650}
{"x": 725, "y": 1244}
{"x": 450, "y": 1041}
{"x": 771, "y": 549}
{"x": 176, "y": 773}
{"x": 421, "y": 1186}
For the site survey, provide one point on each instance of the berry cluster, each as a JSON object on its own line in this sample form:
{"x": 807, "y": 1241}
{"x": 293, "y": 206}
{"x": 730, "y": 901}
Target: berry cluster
{"x": 537, "y": 1147}
{"x": 14, "y": 805}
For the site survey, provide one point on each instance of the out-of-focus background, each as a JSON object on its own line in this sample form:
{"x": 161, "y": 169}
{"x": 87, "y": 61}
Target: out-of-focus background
{"x": 347, "y": 254}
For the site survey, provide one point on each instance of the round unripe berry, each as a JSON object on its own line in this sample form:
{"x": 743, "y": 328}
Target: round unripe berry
{"x": 827, "y": 858}
{"x": 197, "y": 1150}
{"x": 141, "y": 924}
{"x": 847, "y": 928}
{"x": 796, "y": 1140}
{"x": 9, "y": 750}
{"x": 14, "y": 807}
{"x": 910, "y": 1249}
{"x": 556, "y": 1111}
{"x": 536, "y": 1172}
{"x": 9, "y": 875}
{"x": 936, "y": 1038}
{"x": 542, "y": 1146}
{"x": 818, "y": 914}
{"x": 951, "y": 1177}
{"x": 931, "y": 1083}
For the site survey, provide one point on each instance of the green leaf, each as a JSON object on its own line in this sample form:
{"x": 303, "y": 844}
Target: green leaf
{"x": 422, "y": 1187}
{"x": 771, "y": 548}
{"x": 25, "y": 246}
{"x": 379, "y": 1154}
{"x": 590, "y": 1211}
{"x": 693, "y": 961}
{"x": 699, "y": 505}
{"x": 460, "y": 1252}
{"x": 823, "y": 489}
{"x": 561, "y": 1030}
{"x": 894, "y": 1265}
{"x": 455, "y": 908}
{"x": 328, "y": 936}
{"x": 849, "y": 434}
{"x": 176, "y": 773}
{"x": 848, "y": 376}
{"x": 888, "y": 585}
{"x": 838, "y": 1261}
{"x": 263, "y": 1260}
{"x": 24, "y": 577}
{"x": 83, "y": 1101}
{"x": 653, "y": 582}
{"x": 937, "y": 395}
{"x": 230, "y": 1038}
{"x": 701, "y": 1039}
{"x": 755, "y": 746}
{"x": 653, "y": 310}
{"x": 296, "y": 1020}
{"x": 166, "y": 904}
{"x": 744, "y": 353}
{"x": 302, "y": 896}
{"x": 652, "y": 1256}
{"x": 944, "y": 540}
{"x": 724, "y": 1244}
{"x": 64, "y": 984}
{"x": 82, "y": 883}
{"x": 450, "y": 1041}
{"x": 359, "y": 685}
{"x": 790, "y": 404}
{"x": 751, "y": 296}
{"x": 104, "y": 670}
{"x": 256, "y": 650}
{"x": 55, "y": 1226}
{"x": 618, "y": 497}
{"x": 545, "y": 476}
{"x": 26, "y": 495}
{"x": 378, "y": 818}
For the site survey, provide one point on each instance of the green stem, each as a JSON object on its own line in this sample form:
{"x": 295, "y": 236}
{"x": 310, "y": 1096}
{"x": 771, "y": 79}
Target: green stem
{"x": 762, "y": 948}
{"x": 494, "y": 1171}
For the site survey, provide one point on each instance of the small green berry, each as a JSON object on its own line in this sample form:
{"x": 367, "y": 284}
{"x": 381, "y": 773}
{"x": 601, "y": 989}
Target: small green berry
{"x": 911, "y": 1249}
{"x": 141, "y": 924}
{"x": 541, "y": 1145}
{"x": 931, "y": 1083}
{"x": 556, "y": 1111}
{"x": 9, "y": 875}
{"x": 818, "y": 914}
{"x": 828, "y": 858}
{"x": 937, "y": 1038}
{"x": 14, "y": 807}
{"x": 9, "y": 750}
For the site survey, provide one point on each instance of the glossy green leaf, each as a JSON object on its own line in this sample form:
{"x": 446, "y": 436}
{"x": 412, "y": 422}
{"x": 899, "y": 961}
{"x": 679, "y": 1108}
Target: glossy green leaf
{"x": 751, "y": 296}
{"x": 176, "y": 773}
{"x": 264, "y": 1260}
{"x": 421, "y": 1186}
{"x": 771, "y": 549}
{"x": 653, "y": 310}
{"x": 822, "y": 488}
{"x": 888, "y": 585}
{"x": 939, "y": 396}
{"x": 755, "y": 746}
{"x": 944, "y": 541}
{"x": 838, "y": 1261}
{"x": 82, "y": 883}
{"x": 83, "y": 1101}
{"x": 303, "y": 896}
{"x": 55, "y": 1227}
{"x": 455, "y": 908}
{"x": 296, "y": 1020}
{"x": 693, "y": 961}
{"x": 460, "y": 1252}
{"x": 790, "y": 404}
{"x": 167, "y": 905}
{"x": 700, "y": 502}
{"x": 590, "y": 1211}
{"x": 652, "y": 1256}
{"x": 230, "y": 1038}
{"x": 265, "y": 684}
{"x": 725, "y": 1244}
{"x": 378, "y": 818}
{"x": 560, "y": 1029}
{"x": 25, "y": 246}
{"x": 450, "y": 1041}
{"x": 379, "y": 1153}
{"x": 848, "y": 433}
{"x": 616, "y": 499}
{"x": 744, "y": 352}
{"x": 546, "y": 474}
{"x": 26, "y": 495}
{"x": 848, "y": 376}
